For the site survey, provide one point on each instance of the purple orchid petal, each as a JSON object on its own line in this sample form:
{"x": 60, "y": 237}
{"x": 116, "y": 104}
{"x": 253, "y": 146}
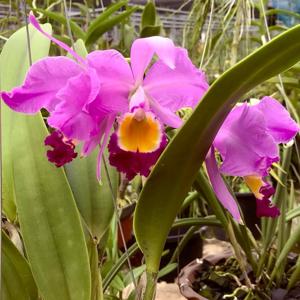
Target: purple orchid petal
{"x": 244, "y": 143}
{"x": 165, "y": 115}
{"x": 43, "y": 80}
{"x": 265, "y": 208}
{"x": 70, "y": 116}
{"x": 34, "y": 22}
{"x": 278, "y": 121}
{"x": 182, "y": 86}
{"x": 133, "y": 163}
{"x": 220, "y": 187}
{"x": 142, "y": 51}
{"x": 63, "y": 150}
{"x": 262, "y": 191}
{"x": 107, "y": 129}
{"x": 116, "y": 80}
{"x": 90, "y": 145}
{"x": 139, "y": 99}
{"x": 95, "y": 138}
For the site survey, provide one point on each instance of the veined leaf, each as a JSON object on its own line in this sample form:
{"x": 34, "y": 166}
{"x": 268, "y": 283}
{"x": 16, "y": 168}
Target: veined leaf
{"x": 174, "y": 173}
{"x": 49, "y": 220}
{"x": 12, "y": 72}
{"x": 16, "y": 276}
{"x": 94, "y": 201}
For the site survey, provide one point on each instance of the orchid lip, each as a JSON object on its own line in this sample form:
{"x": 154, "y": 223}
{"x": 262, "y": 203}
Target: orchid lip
{"x": 133, "y": 163}
{"x": 139, "y": 131}
{"x": 63, "y": 149}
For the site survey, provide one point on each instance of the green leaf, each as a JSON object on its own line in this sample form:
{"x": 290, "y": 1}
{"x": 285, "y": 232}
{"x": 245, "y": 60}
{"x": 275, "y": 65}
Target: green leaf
{"x": 295, "y": 277}
{"x": 13, "y": 71}
{"x": 113, "y": 271}
{"x": 278, "y": 11}
{"x": 17, "y": 281}
{"x": 150, "y": 31}
{"x": 94, "y": 201}
{"x": 294, "y": 213}
{"x": 149, "y": 15}
{"x": 106, "y": 14}
{"x": 167, "y": 269}
{"x": 174, "y": 173}
{"x": 61, "y": 19}
{"x": 291, "y": 242}
{"x": 49, "y": 220}
{"x": 96, "y": 291}
{"x": 79, "y": 48}
{"x": 96, "y": 30}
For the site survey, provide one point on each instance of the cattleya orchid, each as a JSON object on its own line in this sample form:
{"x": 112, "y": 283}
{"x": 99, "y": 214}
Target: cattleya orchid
{"x": 86, "y": 98}
{"x": 248, "y": 145}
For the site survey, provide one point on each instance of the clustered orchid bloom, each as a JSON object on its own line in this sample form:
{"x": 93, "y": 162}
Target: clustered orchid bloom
{"x": 86, "y": 97}
{"x": 89, "y": 98}
{"x": 248, "y": 145}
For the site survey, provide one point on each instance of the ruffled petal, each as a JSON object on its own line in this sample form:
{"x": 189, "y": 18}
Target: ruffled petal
{"x": 116, "y": 80}
{"x": 181, "y": 86}
{"x": 244, "y": 143}
{"x": 43, "y": 80}
{"x": 219, "y": 186}
{"x": 265, "y": 208}
{"x": 133, "y": 163}
{"x": 70, "y": 116}
{"x": 278, "y": 120}
{"x": 63, "y": 149}
{"x": 262, "y": 191}
{"x": 142, "y": 51}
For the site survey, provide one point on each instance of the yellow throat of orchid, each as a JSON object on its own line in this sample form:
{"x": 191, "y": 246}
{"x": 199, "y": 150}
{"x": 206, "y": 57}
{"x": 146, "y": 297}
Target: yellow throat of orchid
{"x": 255, "y": 183}
{"x": 139, "y": 131}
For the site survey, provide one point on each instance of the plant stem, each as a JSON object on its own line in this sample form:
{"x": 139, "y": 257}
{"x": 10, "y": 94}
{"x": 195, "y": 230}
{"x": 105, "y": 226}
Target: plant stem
{"x": 238, "y": 254}
{"x": 270, "y": 224}
{"x": 150, "y": 286}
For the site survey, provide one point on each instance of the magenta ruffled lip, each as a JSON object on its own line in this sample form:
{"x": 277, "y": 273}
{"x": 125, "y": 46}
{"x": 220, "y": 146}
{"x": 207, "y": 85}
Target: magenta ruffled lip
{"x": 133, "y": 163}
{"x": 63, "y": 151}
{"x": 264, "y": 206}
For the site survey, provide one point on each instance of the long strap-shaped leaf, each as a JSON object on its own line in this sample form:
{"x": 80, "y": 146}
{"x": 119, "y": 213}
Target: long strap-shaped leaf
{"x": 16, "y": 280}
{"x": 176, "y": 169}
{"x": 49, "y": 220}
{"x": 93, "y": 200}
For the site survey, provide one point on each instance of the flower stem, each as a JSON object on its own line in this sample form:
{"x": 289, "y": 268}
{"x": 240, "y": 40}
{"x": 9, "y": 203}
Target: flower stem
{"x": 150, "y": 286}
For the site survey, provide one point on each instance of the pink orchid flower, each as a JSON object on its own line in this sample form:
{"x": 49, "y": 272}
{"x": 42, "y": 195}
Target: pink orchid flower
{"x": 85, "y": 98}
{"x": 248, "y": 145}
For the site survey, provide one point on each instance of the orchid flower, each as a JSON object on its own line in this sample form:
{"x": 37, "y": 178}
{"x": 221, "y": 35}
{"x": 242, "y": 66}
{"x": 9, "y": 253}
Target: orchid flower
{"x": 87, "y": 97}
{"x": 248, "y": 145}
